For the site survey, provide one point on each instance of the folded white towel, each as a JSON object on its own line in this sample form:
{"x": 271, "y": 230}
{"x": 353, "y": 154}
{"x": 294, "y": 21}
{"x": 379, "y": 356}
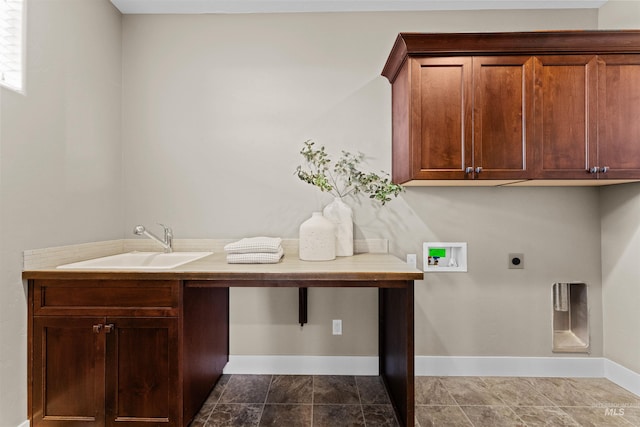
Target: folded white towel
{"x": 256, "y": 258}
{"x": 250, "y": 245}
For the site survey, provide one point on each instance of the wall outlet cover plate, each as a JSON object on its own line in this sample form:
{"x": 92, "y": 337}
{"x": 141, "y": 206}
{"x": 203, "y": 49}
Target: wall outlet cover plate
{"x": 337, "y": 327}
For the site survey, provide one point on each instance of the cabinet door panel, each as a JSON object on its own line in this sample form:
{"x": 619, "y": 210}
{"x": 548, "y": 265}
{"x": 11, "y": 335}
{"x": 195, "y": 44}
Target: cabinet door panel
{"x": 68, "y": 372}
{"x": 619, "y": 110}
{"x": 142, "y": 372}
{"x": 503, "y": 104}
{"x": 441, "y": 108}
{"x": 566, "y": 90}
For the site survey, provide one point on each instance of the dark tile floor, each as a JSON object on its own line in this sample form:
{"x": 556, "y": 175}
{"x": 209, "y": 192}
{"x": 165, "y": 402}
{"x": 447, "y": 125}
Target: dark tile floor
{"x": 296, "y": 400}
{"x": 334, "y": 401}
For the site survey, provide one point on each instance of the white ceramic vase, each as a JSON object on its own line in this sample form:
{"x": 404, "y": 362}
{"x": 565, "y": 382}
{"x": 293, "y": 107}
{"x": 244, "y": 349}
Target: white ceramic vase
{"x": 342, "y": 216}
{"x": 317, "y": 239}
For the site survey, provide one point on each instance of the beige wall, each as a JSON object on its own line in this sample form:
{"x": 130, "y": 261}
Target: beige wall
{"x": 619, "y": 15}
{"x": 213, "y": 114}
{"x": 620, "y": 210}
{"x": 215, "y": 109}
{"x": 60, "y": 159}
{"x": 620, "y": 207}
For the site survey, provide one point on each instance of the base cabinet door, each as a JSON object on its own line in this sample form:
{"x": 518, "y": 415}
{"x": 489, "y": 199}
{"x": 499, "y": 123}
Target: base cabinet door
{"x": 142, "y": 372}
{"x": 68, "y": 372}
{"x": 96, "y": 371}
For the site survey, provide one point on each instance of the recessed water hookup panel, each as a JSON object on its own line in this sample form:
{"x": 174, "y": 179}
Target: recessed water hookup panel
{"x": 444, "y": 256}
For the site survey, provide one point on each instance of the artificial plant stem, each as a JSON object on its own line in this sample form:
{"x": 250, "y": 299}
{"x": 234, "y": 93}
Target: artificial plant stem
{"x": 335, "y": 184}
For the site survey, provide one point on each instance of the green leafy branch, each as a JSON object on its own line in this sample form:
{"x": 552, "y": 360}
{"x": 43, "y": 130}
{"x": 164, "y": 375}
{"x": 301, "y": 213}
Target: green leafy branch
{"x": 344, "y": 178}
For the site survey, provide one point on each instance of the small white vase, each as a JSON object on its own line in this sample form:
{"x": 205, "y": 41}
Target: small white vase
{"x": 342, "y": 216}
{"x": 317, "y": 239}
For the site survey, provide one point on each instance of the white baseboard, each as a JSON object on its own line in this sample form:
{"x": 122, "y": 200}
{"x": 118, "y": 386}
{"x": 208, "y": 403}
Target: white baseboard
{"x": 625, "y": 378}
{"x": 24, "y": 424}
{"x": 585, "y": 367}
{"x": 509, "y": 366}
{"x": 298, "y": 365}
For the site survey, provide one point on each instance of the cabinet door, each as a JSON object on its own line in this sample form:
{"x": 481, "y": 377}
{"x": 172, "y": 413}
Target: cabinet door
{"x": 441, "y": 100}
{"x": 566, "y": 117}
{"x": 619, "y": 116}
{"x": 502, "y": 116}
{"x": 142, "y": 372}
{"x": 68, "y": 372}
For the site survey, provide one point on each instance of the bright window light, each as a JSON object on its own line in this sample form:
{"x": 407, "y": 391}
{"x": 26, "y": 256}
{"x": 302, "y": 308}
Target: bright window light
{"x": 11, "y": 37}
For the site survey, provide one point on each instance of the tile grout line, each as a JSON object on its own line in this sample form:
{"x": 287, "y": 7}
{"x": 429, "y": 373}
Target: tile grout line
{"x": 628, "y": 422}
{"x": 488, "y": 387}
{"x": 313, "y": 395}
{"x": 456, "y": 402}
{"x": 559, "y": 406}
{"x": 206, "y": 421}
{"x": 266, "y": 396}
{"x": 355, "y": 380}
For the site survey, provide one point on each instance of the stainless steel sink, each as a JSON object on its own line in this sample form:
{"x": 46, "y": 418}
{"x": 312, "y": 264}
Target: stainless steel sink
{"x": 138, "y": 261}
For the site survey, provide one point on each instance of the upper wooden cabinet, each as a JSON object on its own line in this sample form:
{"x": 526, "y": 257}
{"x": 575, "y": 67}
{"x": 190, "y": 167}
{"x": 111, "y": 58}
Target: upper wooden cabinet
{"x": 619, "y": 115}
{"x": 565, "y": 117}
{"x": 471, "y": 118}
{"x": 516, "y": 108}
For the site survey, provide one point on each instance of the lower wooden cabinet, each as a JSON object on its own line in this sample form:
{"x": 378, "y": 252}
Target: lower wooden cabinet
{"x": 68, "y": 372}
{"x": 107, "y": 362}
{"x": 142, "y": 372}
{"x": 105, "y": 371}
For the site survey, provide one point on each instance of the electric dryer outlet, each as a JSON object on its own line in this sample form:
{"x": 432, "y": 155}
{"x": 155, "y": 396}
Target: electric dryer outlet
{"x": 516, "y": 261}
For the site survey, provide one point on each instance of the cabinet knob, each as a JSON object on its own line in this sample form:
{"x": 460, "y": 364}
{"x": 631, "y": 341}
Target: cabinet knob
{"x": 108, "y": 328}
{"x": 604, "y": 169}
{"x": 468, "y": 170}
{"x": 594, "y": 169}
{"x": 478, "y": 169}
{"x": 97, "y": 328}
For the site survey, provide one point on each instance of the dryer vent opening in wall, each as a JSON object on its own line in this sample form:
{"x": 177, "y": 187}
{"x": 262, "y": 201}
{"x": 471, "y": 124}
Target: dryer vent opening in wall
{"x": 570, "y": 318}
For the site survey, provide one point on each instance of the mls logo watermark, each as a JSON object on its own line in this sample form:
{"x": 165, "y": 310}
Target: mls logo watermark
{"x": 614, "y": 409}
{"x": 614, "y": 412}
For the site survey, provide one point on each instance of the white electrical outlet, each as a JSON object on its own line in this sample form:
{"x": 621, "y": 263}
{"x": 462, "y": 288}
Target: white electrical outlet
{"x": 411, "y": 260}
{"x": 337, "y": 327}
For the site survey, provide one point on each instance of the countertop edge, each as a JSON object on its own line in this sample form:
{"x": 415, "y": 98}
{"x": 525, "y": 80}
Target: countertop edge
{"x": 359, "y": 267}
{"x": 221, "y": 276}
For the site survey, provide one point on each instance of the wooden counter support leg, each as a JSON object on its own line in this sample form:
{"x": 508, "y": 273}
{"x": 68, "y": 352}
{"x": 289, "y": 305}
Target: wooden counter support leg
{"x": 205, "y": 331}
{"x": 396, "y": 349}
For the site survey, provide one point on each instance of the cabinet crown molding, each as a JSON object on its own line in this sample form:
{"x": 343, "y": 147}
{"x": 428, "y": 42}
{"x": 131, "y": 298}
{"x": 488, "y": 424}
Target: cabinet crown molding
{"x": 509, "y": 43}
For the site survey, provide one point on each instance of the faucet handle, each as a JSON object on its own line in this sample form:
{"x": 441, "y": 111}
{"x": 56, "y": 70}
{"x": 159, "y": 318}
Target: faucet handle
{"x": 168, "y": 233}
{"x": 168, "y": 238}
{"x": 166, "y": 228}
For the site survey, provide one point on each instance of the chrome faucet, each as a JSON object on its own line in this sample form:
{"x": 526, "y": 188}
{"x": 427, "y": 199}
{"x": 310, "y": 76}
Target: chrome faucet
{"x": 166, "y": 243}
